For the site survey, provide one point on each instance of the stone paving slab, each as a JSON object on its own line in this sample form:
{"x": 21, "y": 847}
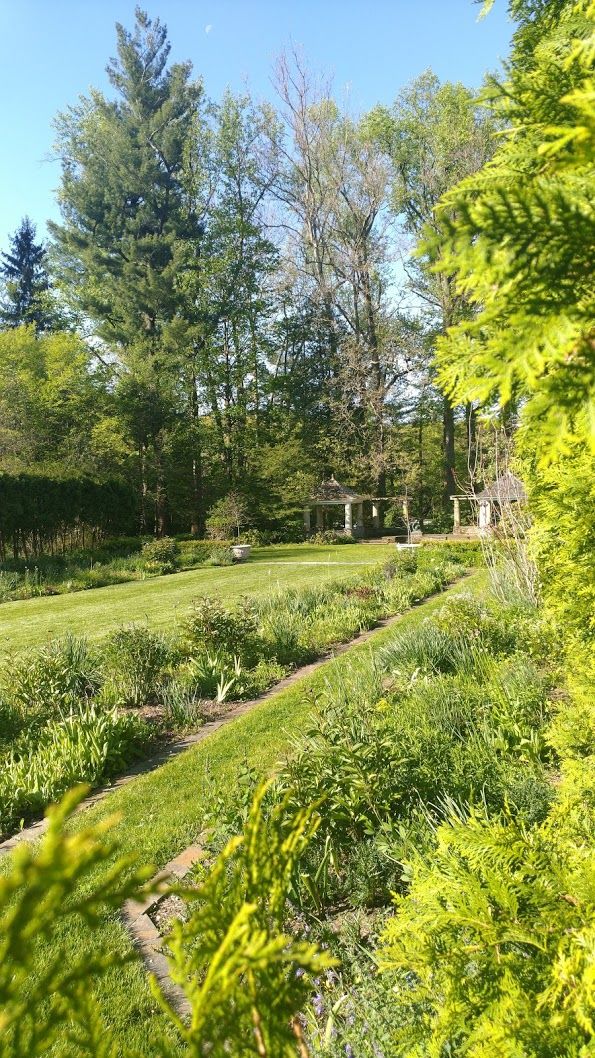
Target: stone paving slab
{"x": 145, "y": 935}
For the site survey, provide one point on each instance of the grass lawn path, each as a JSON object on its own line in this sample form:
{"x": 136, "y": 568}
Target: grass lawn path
{"x": 161, "y": 813}
{"x": 160, "y": 601}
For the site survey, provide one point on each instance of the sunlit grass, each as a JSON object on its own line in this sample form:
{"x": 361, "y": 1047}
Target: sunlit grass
{"x": 159, "y": 602}
{"x": 163, "y": 811}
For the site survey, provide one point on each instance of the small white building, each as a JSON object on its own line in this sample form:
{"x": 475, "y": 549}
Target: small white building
{"x": 332, "y": 494}
{"x": 490, "y": 504}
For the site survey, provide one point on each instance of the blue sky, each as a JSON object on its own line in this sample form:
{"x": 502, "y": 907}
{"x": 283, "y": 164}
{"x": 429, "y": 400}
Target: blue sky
{"x": 53, "y": 50}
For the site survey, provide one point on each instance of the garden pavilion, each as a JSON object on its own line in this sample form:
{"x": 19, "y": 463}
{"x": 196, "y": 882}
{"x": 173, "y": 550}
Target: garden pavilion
{"x": 492, "y": 501}
{"x": 332, "y": 494}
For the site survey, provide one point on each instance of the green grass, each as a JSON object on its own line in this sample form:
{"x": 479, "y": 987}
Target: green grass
{"x": 162, "y": 812}
{"x": 159, "y": 601}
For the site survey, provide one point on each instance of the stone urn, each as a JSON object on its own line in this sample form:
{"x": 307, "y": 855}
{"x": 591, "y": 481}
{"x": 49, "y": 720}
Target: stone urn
{"x": 241, "y": 552}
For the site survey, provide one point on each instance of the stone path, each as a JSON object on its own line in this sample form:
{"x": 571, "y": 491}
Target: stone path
{"x": 147, "y": 938}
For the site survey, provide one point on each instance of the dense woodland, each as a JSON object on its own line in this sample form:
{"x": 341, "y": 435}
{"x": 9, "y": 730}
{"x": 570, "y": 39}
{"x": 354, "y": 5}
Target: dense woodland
{"x": 231, "y": 300}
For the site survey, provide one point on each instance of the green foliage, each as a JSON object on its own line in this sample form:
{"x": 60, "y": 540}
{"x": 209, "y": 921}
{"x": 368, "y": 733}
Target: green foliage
{"x": 562, "y": 498}
{"x": 45, "y": 891}
{"x": 329, "y": 536}
{"x": 87, "y": 746}
{"x": 53, "y": 681}
{"x": 220, "y": 558}
{"x": 46, "y": 508}
{"x": 210, "y": 626}
{"x": 493, "y": 944}
{"x": 51, "y": 721}
{"x": 160, "y": 556}
{"x": 227, "y": 517}
{"x": 519, "y": 237}
{"x": 112, "y": 561}
{"x": 195, "y": 552}
{"x": 375, "y": 762}
{"x": 246, "y": 979}
{"x": 135, "y": 662}
{"x": 521, "y": 248}
{"x": 27, "y": 298}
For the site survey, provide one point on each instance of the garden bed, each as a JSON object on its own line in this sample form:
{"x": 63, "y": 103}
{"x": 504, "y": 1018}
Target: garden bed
{"x": 75, "y": 713}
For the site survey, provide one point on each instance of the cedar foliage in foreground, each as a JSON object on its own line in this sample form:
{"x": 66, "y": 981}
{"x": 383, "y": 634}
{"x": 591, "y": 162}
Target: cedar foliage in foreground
{"x": 494, "y": 945}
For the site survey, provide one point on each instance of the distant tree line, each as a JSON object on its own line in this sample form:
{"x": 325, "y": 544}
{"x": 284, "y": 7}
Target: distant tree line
{"x": 226, "y": 305}
{"x": 40, "y": 514}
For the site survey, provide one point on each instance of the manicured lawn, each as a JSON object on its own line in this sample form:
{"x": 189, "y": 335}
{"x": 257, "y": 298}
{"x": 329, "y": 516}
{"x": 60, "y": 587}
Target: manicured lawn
{"x": 160, "y": 602}
{"x": 162, "y": 812}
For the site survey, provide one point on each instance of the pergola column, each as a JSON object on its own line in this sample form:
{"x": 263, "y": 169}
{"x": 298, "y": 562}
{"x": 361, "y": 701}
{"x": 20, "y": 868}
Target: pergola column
{"x": 307, "y": 520}
{"x": 319, "y": 517}
{"x": 485, "y": 514}
{"x": 456, "y": 524}
{"x": 406, "y": 510}
{"x": 349, "y": 519}
{"x": 376, "y": 515}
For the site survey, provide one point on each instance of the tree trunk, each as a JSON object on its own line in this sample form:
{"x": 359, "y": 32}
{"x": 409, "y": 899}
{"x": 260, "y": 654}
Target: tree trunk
{"x": 471, "y": 428}
{"x": 142, "y": 460}
{"x": 420, "y": 459}
{"x": 197, "y": 513}
{"x": 161, "y": 502}
{"x": 448, "y": 444}
{"x": 378, "y": 395}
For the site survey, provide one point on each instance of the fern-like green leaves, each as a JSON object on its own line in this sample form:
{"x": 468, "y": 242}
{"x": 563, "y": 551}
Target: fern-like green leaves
{"x": 246, "y": 979}
{"x": 40, "y": 1006}
{"x": 520, "y": 238}
{"x": 495, "y": 942}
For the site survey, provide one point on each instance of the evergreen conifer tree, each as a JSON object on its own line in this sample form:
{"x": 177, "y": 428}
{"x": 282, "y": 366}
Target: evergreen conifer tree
{"x": 26, "y": 297}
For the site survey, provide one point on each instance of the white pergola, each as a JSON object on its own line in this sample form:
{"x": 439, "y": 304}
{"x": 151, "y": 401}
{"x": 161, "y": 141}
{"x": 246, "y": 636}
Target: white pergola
{"x": 506, "y": 489}
{"x": 332, "y": 494}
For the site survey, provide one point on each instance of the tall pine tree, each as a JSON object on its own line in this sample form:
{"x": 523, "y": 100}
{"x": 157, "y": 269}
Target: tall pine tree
{"x": 127, "y": 223}
{"x": 26, "y": 295}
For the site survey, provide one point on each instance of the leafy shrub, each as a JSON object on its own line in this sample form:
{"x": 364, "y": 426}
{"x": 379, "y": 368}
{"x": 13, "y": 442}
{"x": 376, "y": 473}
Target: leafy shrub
{"x": 211, "y": 627}
{"x": 41, "y": 896}
{"x": 398, "y": 595}
{"x": 100, "y": 577}
{"x": 257, "y": 537}
{"x": 427, "y": 649}
{"x": 493, "y": 626}
{"x": 329, "y": 536}
{"x": 53, "y": 680}
{"x": 281, "y": 633}
{"x": 183, "y": 707}
{"x": 12, "y": 722}
{"x": 425, "y": 582}
{"x": 492, "y": 945}
{"x": 113, "y": 547}
{"x": 237, "y": 920}
{"x": 87, "y": 746}
{"x": 135, "y": 661}
{"x": 265, "y": 674}
{"x": 160, "y": 556}
{"x": 196, "y": 552}
{"x": 214, "y": 675}
{"x": 402, "y": 562}
{"x": 463, "y": 553}
{"x": 8, "y": 585}
{"x": 336, "y": 623}
{"x": 219, "y": 558}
